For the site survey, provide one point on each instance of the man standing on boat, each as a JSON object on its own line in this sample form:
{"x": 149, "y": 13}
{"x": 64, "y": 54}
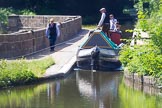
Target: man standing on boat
{"x": 114, "y": 32}
{"x": 102, "y": 23}
{"x": 113, "y": 23}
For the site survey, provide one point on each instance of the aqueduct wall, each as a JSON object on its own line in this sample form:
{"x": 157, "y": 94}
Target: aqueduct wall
{"x": 27, "y": 33}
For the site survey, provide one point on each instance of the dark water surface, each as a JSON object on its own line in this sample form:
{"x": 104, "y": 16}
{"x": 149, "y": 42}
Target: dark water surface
{"x": 82, "y": 89}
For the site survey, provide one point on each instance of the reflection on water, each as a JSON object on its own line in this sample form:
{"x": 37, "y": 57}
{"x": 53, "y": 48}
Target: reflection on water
{"x": 82, "y": 89}
{"x": 99, "y": 88}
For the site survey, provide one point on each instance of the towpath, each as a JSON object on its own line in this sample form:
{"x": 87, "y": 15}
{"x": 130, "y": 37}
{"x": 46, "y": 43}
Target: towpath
{"x": 64, "y": 55}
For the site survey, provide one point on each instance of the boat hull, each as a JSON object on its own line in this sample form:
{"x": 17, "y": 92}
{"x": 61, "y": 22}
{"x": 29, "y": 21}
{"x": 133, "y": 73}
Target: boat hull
{"x": 98, "y": 59}
{"x": 99, "y": 65}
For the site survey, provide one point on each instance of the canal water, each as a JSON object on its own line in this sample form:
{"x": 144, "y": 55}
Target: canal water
{"x": 81, "y": 89}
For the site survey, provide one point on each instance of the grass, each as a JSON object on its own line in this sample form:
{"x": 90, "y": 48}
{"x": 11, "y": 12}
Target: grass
{"x": 39, "y": 67}
{"x": 22, "y": 71}
{"x": 89, "y": 26}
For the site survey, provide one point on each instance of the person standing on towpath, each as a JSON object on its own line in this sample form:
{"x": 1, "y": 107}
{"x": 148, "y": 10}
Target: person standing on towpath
{"x": 52, "y": 33}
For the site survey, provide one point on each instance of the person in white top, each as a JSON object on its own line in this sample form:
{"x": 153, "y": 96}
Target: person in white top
{"x": 102, "y": 22}
{"x": 113, "y": 22}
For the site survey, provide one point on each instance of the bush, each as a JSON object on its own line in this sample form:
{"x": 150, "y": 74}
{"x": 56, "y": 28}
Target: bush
{"x": 146, "y": 60}
{"x": 126, "y": 55}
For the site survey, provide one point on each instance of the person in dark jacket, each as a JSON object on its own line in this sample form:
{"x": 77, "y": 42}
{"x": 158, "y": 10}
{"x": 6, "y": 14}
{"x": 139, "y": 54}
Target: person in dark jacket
{"x": 52, "y": 32}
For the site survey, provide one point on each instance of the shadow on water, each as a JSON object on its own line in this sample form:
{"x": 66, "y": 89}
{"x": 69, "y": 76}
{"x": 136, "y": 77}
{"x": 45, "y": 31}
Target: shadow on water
{"x": 82, "y": 89}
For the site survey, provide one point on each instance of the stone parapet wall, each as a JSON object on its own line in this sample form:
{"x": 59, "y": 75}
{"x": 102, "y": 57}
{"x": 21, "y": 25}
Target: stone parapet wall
{"x": 18, "y": 44}
{"x": 13, "y": 45}
{"x": 17, "y": 22}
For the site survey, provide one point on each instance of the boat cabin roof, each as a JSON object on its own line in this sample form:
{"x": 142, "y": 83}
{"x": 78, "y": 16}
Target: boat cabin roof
{"x": 98, "y": 38}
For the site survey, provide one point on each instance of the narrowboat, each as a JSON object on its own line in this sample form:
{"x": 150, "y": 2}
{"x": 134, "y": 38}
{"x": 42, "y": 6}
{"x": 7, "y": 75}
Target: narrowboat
{"x": 99, "y": 52}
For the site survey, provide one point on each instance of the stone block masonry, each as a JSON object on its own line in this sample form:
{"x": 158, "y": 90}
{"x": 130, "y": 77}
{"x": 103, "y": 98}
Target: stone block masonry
{"x": 148, "y": 84}
{"x": 27, "y": 33}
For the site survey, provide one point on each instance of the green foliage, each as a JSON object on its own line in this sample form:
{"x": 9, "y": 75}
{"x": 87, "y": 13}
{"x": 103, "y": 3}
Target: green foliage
{"x": 142, "y": 21}
{"x": 5, "y": 12}
{"x": 126, "y": 55}
{"x": 156, "y": 28}
{"x": 15, "y": 73}
{"x": 146, "y": 60}
{"x": 22, "y": 71}
{"x": 151, "y": 20}
{"x": 89, "y": 10}
{"x": 153, "y": 5}
{"x": 38, "y": 67}
{"x": 89, "y": 27}
{"x": 25, "y": 12}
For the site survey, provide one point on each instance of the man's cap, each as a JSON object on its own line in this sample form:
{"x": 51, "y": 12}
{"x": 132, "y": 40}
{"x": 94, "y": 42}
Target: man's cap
{"x": 102, "y": 9}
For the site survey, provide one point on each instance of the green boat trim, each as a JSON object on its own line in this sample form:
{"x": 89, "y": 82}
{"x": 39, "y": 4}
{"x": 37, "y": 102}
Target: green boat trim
{"x": 104, "y": 41}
